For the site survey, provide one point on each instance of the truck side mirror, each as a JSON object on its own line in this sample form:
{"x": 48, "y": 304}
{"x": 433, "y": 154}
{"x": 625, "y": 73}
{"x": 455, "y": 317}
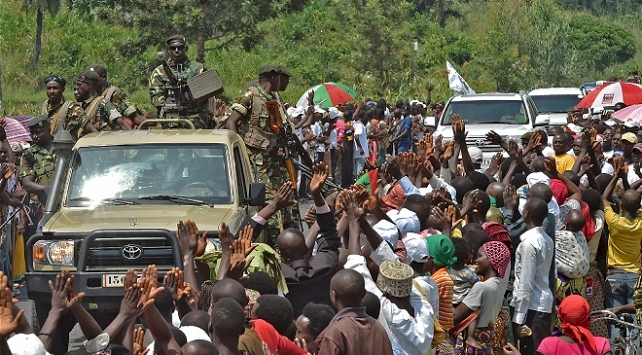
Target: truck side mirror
{"x": 542, "y": 120}
{"x": 257, "y": 194}
{"x": 430, "y": 121}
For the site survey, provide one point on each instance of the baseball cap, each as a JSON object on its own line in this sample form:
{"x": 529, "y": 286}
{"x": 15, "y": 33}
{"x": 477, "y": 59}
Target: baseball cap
{"x": 628, "y": 136}
{"x": 638, "y": 147}
{"x": 416, "y": 248}
{"x": 387, "y": 231}
{"x": 405, "y": 220}
{"x": 26, "y": 344}
{"x": 476, "y": 155}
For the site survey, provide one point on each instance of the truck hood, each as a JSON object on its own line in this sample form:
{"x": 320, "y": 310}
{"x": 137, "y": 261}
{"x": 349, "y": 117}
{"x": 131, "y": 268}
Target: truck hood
{"x": 151, "y": 216}
{"x": 480, "y": 130}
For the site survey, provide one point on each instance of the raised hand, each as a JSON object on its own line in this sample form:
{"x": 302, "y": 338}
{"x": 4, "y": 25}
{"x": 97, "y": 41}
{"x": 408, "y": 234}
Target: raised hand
{"x": 439, "y": 145}
{"x": 174, "y": 280}
{"x": 444, "y": 222}
{"x": 494, "y": 138}
{"x": 510, "y": 197}
{"x": 10, "y": 170}
{"x": 225, "y": 237}
{"x": 321, "y": 172}
{"x": 496, "y": 161}
{"x": 436, "y": 196}
{"x": 139, "y": 337}
{"x": 451, "y": 213}
{"x": 361, "y": 194}
{"x": 471, "y": 202}
{"x": 310, "y": 215}
{"x": 459, "y": 129}
{"x": 8, "y": 323}
{"x": 201, "y": 239}
{"x": 186, "y": 240}
{"x": 148, "y": 287}
{"x": 282, "y": 196}
{"x": 449, "y": 151}
{"x": 311, "y": 97}
{"x": 351, "y": 207}
{"x": 550, "y": 167}
{"x": 130, "y": 279}
{"x": 513, "y": 150}
{"x": 245, "y": 241}
{"x": 59, "y": 294}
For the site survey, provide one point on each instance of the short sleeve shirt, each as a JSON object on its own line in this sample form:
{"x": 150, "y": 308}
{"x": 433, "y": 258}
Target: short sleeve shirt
{"x": 488, "y": 296}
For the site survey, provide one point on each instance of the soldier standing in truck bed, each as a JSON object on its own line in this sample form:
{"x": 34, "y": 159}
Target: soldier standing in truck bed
{"x": 58, "y": 109}
{"x": 116, "y": 95}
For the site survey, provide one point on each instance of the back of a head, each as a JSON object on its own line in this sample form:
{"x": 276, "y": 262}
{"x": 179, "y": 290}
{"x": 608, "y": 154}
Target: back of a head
{"x": 179, "y": 336}
{"x": 372, "y": 304}
{"x": 484, "y": 206}
{"x": 199, "y": 347}
{"x": 572, "y": 176}
{"x": 542, "y": 191}
{"x": 165, "y": 304}
{"x": 593, "y": 199}
{"x": 291, "y": 244}
{"x": 261, "y": 282}
{"x": 275, "y": 310}
{"x": 228, "y": 319}
{"x": 519, "y": 179}
{"x": 603, "y": 181}
{"x": 538, "y": 163}
{"x": 496, "y": 189}
{"x": 462, "y": 185}
{"x": 196, "y": 318}
{"x": 574, "y": 221}
{"x": 348, "y": 287}
{"x": 631, "y": 201}
{"x": 462, "y": 252}
{"x": 475, "y": 238}
{"x": 319, "y": 316}
{"x": 205, "y": 298}
{"x": 537, "y": 210}
{"x": 479, "y": 179}
{"x": 231, "y": 289}
{"x": 420, "y": 206}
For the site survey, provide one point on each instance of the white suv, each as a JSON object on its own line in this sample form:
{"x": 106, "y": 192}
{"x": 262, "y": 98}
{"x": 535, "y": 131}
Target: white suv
{"x": 510, "y": 115}
{"x": 556, "y": 102}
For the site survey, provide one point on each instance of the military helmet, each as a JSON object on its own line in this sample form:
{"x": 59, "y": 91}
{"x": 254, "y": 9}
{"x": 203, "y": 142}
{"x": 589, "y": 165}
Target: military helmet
{"x": 269, "y": 70}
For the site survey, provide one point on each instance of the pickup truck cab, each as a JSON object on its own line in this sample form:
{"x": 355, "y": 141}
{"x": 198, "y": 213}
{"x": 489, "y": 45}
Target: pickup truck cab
{"x": 510, "y": 115}
{"x": 556, "y": 102}
{"x": 117, "y": 197}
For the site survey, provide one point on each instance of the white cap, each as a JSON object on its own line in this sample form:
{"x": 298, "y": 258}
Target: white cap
{"x": 405, "y": 220}
{"x": 299, "y": 111}
{"x": 26, "y": 344}
{"x": 290, "y": 111}
{"x": 334, "y": 113}
{"x": 416, "y": 248}
{"x": 476, "y": 155}
{"x": 388, "y": 231}
{"x": 318, "y": 109}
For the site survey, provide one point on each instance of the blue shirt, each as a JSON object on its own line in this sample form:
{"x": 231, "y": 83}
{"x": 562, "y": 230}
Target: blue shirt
{"x": 406, "y": 124}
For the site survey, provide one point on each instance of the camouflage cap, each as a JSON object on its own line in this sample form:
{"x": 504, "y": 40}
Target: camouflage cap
{"x": 38, "y": 121}
{"x": 176, "y": 38}
{"x": 270, "y": 70}
{"x": 88, "y": 76}
{"x": 100, "y": 69}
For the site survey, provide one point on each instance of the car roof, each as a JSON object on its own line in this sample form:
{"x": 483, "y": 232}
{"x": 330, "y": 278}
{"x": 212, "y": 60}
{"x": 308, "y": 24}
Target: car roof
{"x": 169, "y": 136}
{"x": 555, "y": 91}
{"x": 488, "y": 97}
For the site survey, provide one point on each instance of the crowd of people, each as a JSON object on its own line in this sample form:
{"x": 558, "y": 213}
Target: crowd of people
{"x": 431, "y": 254}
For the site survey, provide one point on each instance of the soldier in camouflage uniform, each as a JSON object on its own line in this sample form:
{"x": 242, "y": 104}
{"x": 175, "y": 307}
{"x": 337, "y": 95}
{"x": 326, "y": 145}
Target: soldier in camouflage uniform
{"x": 116, "y": 96}
{"x": 102, "y": 114}
{"x": 60, "y": 110}
{"x": 38, "y": 162}
{"x": 183, "y": 68}
{"x": 249, "y": 118}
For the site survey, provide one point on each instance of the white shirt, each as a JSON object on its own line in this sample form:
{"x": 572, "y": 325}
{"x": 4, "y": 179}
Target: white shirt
{"x": 318, "y": 132}
{"x": 408, "y": 335}
{"x": 333, "y": 139}
{"x": 631, "y": 176}
{"x": 359, "y": 131}
{"x": 531, "y": 290}
{"x": 548, "y": 152}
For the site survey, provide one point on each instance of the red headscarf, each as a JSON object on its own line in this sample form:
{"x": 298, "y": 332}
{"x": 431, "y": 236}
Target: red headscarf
{"x": 560, "y": 192}
{"x": 499, "y": 233}
{"x": 498, "y": 255}
{"x": 574, "y": 312}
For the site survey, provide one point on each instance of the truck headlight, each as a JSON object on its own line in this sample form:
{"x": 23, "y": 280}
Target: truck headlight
{"x": 54, "y": 252}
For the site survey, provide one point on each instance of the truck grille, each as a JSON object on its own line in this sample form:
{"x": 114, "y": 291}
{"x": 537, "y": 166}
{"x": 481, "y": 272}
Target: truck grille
{"x": 120, "y": 254}
{"x": 480, "y": 142}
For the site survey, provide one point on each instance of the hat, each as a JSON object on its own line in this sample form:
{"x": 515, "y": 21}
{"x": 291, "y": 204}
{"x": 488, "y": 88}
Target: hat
{"x": 637, "y": 146}
{"x": 387, "y": 231}
{"x": 194, "y": 333}
{"x": 395, "y": 278}
{"x": 405, "y": 220}
{"x": 176, "y": 38}
{"x": 26, "y": 344}
{"x": 37, "y": 121}
{"x": 290, "y": 111}
{"x": 57, "y": 78}
{"x": 499, "y": 233}
{"x": 628, "y": 136}
{"x": 318, "y": 109}
{"x": 334, "y": 113}
{"x": 299, "y": 111}
{"x": 498, "y": 255}
{"x": 536, "y": 178}
{"x": 100, "y": 69}
{"x": 441, "y": 249}
{"x": 476, "y": 155}
{"x": 269, "y": 70}
{"x": 416, "y": 248}
{"x": 395, "y": 197}
{"x": 88, "y": 76}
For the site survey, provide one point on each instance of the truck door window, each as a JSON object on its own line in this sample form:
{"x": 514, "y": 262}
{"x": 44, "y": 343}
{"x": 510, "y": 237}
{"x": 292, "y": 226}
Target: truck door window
{"x": 240, "y": 175}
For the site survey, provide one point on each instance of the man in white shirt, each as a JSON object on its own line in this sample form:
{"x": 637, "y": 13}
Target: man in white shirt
{"x": 532, "y": 296}
{"x": 361, "y": 151}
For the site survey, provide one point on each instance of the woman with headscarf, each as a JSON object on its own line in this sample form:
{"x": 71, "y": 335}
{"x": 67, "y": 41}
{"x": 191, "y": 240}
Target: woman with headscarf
{"x": 574, "y": 312}
{"x": 477, "y": 313}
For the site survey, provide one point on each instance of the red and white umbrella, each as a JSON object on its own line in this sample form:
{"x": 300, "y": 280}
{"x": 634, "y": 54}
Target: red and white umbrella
{"x": 630, "y": 113}
{"x": 16, "y": 130}
{"x": 612, "y": 94}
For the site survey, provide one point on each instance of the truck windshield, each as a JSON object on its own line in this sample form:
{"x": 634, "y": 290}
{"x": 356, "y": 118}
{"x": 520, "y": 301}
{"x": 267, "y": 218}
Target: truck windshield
{"x": 487, "y": 111}
{"x": 101, "y": 175}
{"x": 556, "y": 104}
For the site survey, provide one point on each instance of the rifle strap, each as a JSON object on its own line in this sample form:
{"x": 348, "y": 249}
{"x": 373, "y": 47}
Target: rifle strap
{"x": 60, "y": 116}
{"x": 44, "y": 110}
{"x": 257, "y": 105}
{"x": 92, "y": 109}
{"x": 109, "y": 92}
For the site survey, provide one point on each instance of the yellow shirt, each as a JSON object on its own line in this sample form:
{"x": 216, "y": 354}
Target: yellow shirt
{"x": 564, "y": 162}
{"x": 624, "y": 241}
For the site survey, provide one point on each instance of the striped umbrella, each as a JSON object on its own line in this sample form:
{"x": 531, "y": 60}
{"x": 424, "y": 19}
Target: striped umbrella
{"x": 630, "y": 113}
{"x": 328, "y": 95}
{"x": 16, "y": 130}
{"x": 612, "y": 94}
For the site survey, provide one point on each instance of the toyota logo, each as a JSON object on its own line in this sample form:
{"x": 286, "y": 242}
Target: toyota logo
{"x": 132, "y": 251}
{"x": 480, "y": 143}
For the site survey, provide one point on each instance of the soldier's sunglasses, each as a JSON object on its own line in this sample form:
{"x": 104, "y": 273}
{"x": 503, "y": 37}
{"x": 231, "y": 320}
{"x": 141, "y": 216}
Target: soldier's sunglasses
{"x": 173, "y": 48}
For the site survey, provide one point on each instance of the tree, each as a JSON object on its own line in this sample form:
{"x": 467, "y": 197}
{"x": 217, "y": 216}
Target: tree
{"x": 41, "y": 6}
{"x": 601, "y": 44}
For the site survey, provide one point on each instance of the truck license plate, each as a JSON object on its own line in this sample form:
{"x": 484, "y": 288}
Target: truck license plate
{"x": 113, "y": 280}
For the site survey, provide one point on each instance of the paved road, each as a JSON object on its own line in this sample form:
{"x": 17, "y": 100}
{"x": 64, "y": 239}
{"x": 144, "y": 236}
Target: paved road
{"x": 76, "y": 337}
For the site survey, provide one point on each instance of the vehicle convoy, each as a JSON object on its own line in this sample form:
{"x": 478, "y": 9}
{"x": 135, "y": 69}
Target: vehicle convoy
{"x": 556, "y": 102}
{"x": 115, "y": 201}
{"x": 510, "y": 115}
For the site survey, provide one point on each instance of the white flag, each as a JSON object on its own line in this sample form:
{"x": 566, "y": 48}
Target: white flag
{"x": 456, "y": 82}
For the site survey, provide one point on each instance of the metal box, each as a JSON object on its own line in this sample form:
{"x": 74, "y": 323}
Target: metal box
{"x": 205, "y": 85}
